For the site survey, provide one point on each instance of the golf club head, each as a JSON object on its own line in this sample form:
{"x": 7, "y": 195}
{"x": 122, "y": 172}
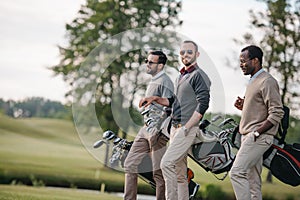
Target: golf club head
{"x": 226, "y": 121}
{"x": 149, "y": 121}
{"x": 168, "y": 110}
{"x": 146, "y": 111}
{"x": 215, "y": 118}
{"x": 117, "y": 140}
{"x": 98, "y": 144}
{"x": 108, "y": 135}
{"x": 204, "y": 124}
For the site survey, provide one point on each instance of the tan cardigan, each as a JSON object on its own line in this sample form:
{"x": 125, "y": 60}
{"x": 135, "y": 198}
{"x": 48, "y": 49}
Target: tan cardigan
{"x": 262, "y": 101}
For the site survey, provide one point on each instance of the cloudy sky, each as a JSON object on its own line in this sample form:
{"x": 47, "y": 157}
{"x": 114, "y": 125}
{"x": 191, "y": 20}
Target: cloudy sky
{"x": 31, "y": 30}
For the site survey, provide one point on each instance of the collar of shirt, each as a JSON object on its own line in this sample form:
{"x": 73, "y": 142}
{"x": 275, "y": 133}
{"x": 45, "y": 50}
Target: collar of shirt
{"x": 256, "y": 74}
{"x": 157, "y": 75}
{"x": 189, "y": 70}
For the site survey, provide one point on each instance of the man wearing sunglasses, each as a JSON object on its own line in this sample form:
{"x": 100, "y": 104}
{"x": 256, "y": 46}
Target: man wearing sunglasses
{"x": 192, "y": 90}
{"x": 261, "y": 113}
{"x": 148, "y": 141}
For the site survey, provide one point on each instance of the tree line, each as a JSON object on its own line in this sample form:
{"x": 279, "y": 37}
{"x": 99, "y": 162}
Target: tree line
{"x": 97, "y": 22}
{"x": 277, "y": 31}
{"x": 35, "y": 107}
{"x": 85, "y": 61}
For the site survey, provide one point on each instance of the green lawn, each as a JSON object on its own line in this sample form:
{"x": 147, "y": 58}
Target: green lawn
{"x": 49, "y": 152}
{"x": 42, "y": 193}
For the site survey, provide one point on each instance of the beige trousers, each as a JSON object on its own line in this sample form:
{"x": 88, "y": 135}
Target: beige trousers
{"x": 247, "y": 167}
{"x": 174, "y": 163}
{"x": 144, "y": 144}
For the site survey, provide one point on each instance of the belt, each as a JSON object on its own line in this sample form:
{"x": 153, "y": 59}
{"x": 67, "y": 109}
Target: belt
{"x": 177, "y": 125}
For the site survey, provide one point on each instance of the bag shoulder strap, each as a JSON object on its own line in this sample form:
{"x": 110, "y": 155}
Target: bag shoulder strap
{"x": 284, "y": 125}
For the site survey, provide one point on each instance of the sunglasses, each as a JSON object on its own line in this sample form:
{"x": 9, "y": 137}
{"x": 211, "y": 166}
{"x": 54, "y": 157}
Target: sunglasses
{"x": 150, "y": 62}
{"x": 190, "y": 52}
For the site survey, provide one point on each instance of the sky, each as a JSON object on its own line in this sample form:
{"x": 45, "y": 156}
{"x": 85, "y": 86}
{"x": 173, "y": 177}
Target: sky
{"x": 31, "y": 30}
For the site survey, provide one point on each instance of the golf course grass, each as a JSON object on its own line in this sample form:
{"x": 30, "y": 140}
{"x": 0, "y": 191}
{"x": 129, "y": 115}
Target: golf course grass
{"x": 8, "y": 192}
{"x": 48, "y": 152}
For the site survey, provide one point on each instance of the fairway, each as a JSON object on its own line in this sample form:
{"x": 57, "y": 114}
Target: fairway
{"x": 48, "y": 152}
{"x": 42, "y": 193}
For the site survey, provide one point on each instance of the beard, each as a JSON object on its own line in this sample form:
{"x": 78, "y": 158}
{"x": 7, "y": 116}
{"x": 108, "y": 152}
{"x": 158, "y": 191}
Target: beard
{"x": 151, "y": 71}
{"x": 188, "y": 62}
{"x": 249, "y": 70}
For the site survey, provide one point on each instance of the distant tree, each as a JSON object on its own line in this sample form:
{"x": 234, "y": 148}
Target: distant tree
{"x": 98, "y": 22}
{"x": 279, "y": 26}
{"x": 7, "y": 107}
{"x": 35, "y": 107}
{"x": 2, "y": 105}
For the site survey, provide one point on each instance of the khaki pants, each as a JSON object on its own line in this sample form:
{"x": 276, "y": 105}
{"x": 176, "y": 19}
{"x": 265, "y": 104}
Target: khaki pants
{"x": 246, "y": 170}
{"x": 174, "y": 162}
{"x": 144, "y": 144}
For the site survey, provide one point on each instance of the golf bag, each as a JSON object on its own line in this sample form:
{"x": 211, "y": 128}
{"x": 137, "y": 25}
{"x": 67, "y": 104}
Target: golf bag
{"x": 120, "y": 150}
{"x": 217, "y": 156}
{"x": 284, "y": 159}
{"x": 281, "y": 158}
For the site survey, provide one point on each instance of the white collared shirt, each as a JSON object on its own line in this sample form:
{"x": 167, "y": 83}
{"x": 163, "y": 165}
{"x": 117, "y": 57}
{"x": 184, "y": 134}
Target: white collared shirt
{"x": 157, "y": 75}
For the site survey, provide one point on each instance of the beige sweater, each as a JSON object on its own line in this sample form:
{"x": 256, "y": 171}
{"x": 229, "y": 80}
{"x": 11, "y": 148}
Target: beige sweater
{"x": 262, "y": 101}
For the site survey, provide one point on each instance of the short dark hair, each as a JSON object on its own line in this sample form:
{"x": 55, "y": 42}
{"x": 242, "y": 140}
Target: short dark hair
{"x": 162, "y": 58}
{"x": 194, "y": 43}
{"x": 254, "y": 52}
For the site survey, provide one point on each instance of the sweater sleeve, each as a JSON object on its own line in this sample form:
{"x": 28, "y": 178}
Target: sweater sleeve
{"x": 272, "y": 99}
{"x": 201, "y": 85}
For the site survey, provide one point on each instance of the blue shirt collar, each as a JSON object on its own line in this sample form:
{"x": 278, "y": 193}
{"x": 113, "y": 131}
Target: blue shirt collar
{"x": 256, "y": 74}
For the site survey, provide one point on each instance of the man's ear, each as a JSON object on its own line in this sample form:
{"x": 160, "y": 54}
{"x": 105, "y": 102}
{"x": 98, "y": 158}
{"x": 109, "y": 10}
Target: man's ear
{"x": 160, "y": 66}
{"x": 256, "y": 60}
{"x": 198, "y": 54}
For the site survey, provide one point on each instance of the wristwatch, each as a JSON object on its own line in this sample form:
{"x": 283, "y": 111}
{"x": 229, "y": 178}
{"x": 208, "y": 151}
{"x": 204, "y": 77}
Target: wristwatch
{"x": 185, "y": 129}
{"x": 256, "y": 134}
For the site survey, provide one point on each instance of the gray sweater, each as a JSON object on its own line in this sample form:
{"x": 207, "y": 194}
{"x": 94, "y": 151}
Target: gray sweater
{"x": 160, "y": 85}
{"x": 192, "y": 94}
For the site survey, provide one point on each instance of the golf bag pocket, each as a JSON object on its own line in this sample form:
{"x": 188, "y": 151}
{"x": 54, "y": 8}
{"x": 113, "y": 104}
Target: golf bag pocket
{"x": 283, "y": 161}
{"x": 214, "y": 156}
